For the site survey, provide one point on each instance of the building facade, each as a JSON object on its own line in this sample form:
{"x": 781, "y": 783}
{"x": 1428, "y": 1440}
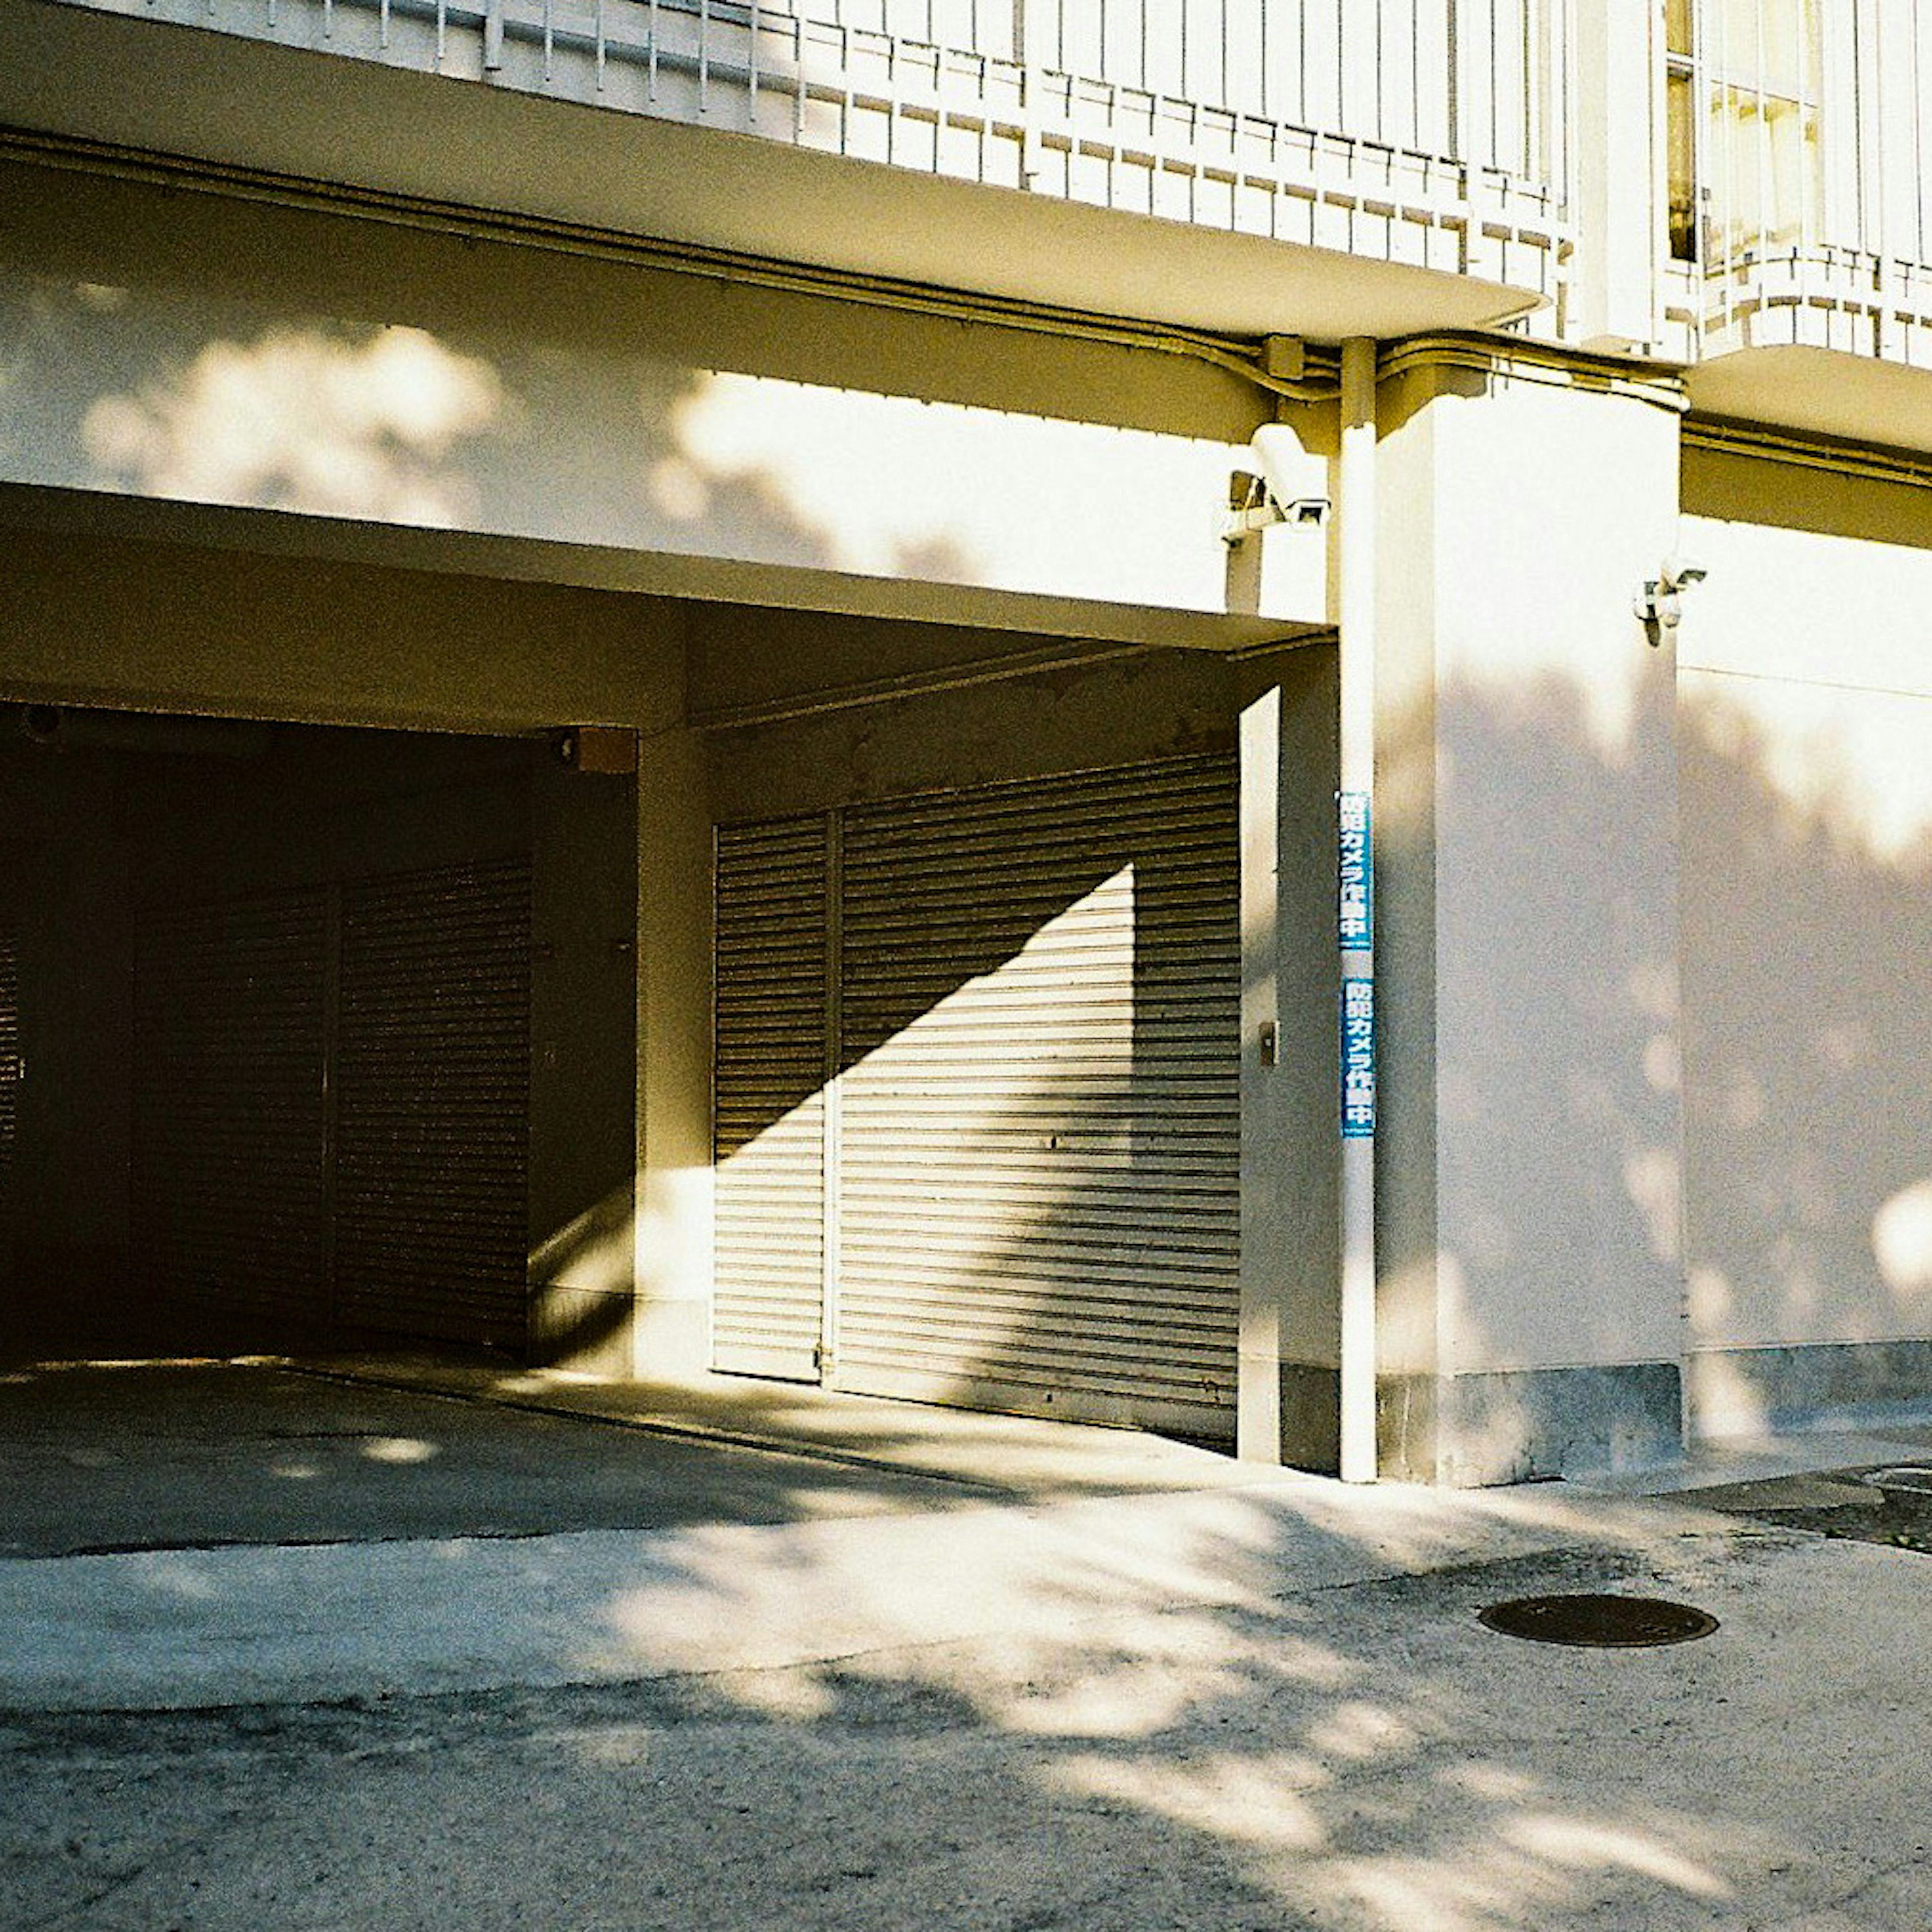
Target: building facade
{"x": 1210, "y": 713}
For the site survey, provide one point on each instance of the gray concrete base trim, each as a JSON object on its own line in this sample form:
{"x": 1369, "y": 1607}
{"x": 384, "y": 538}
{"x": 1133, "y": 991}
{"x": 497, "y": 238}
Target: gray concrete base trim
{"x": 1749, "y": 1391}
{"x": 1525, "y": 1425}
{"x": 585, "y": 1328}
{"x": 1311, "y": 1418}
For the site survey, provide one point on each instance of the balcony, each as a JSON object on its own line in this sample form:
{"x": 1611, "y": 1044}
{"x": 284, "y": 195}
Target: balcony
{"x": 1810, "y": 301}
{"x": 1426, "y": 139}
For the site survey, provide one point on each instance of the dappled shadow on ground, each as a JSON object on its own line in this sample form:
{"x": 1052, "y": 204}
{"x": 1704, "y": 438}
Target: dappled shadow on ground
{"x": 1189, "y": 1723}
{"x": 1267, "y": 1705}
{"x": 175, "y": 1454}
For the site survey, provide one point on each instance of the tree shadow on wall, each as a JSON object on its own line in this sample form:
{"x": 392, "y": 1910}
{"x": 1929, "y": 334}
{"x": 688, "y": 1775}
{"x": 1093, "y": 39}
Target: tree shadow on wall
{"x": 1808, "y": 1051}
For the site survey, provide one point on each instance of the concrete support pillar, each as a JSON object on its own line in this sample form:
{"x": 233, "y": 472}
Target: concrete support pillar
{"x": 674, "y": 1190}
{"x": 1290, "y": 1173}
{"x": 583, "y": 866}
{"x": 1531, "y": 1287}
{"x": 1620, "y": 161}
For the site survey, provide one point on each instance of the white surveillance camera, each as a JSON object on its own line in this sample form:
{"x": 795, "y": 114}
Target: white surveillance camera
{"x": 1280, "y": 483}
{"x": 1680, "y": 571}
{"x": 1657, "y": 608}
{"x": 1659, "y": 602}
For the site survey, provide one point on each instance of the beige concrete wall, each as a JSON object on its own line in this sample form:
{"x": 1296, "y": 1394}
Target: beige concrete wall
{"x": 88, "y": 620}
{"x": 1528, "y": 1169}
{"x": 1290, "y": 1143}
{"x": 584, "y": 1046}
{"x": 192, "y": 348}
{"x": 1806, "y": 709}
{"x": 1143, "y": 704}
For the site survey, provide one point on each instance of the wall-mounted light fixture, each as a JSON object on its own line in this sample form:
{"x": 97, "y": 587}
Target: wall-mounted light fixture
{"x": 1659, "y": 603}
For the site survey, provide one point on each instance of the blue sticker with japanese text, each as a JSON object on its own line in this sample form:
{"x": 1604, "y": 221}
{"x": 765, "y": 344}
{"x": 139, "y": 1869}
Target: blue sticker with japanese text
{"x": 1356, "y": 923}
{"x": 1358, "y": 1060}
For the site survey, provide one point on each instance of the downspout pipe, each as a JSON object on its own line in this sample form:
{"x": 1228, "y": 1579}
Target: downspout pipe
{"x": 1355, "y": 539}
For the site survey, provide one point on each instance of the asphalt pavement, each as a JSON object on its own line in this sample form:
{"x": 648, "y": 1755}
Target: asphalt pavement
{"x": 339, "y": 1644}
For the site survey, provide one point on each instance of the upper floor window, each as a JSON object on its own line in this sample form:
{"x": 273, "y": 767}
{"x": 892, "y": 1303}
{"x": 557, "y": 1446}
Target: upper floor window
{"x": 1680, "y": 96}
{"x": 1741, "y": 92}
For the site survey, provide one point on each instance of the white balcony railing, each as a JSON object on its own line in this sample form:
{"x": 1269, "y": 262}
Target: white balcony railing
{"x": 1814, "y": 176}
{"x": 1473, "y": 81}
{"x": 1427, "y": 131}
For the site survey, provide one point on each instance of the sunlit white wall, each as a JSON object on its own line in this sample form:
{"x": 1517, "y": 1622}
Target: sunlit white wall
{"x": 1807, "y": 739}
{"x": 534, "y": 396}
{"x": 1527, "y": 781}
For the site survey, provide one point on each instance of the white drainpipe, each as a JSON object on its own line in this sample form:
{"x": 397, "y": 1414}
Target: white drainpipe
{"x": 1356, "y": 601}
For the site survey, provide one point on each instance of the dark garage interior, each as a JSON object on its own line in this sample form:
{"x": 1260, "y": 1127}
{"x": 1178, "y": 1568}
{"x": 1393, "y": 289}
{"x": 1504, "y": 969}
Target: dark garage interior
{"x": 309, "y": 1036}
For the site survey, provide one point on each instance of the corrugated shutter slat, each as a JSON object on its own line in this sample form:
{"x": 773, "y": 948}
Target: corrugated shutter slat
{"x": 228, "y": 1200}
{"x": 1035, "y": 1136}
{"x": 1031, "y": 1215}
{"x": 433, "y": 1103}
{"x": 768, "y": 1133}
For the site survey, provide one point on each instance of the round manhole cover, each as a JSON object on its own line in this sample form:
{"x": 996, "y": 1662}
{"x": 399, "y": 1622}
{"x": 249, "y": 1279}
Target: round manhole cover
{"x": 1610, "y": 1623}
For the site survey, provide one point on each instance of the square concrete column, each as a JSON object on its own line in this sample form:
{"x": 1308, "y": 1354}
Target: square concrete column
{"x": 1530, "y": 1150}
{"x": 1291, "y": 1259}
{"x": 672, "y": 1333}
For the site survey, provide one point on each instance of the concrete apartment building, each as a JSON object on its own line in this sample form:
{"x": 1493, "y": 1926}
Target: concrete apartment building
{"x": 677, "y": 673}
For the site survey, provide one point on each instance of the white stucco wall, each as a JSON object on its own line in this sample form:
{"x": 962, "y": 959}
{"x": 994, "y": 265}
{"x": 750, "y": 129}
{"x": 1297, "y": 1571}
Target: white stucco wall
{"x": 1529, "y": 1171}
{"x": 195, "y": 349}
{"x": 1806, "y": 711}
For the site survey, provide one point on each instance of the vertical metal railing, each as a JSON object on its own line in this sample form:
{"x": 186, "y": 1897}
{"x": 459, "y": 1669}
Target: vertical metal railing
{"x": 1814, "y": 127}
{"x": 1390, "y": 71}
{"x": 1479, "y": 82}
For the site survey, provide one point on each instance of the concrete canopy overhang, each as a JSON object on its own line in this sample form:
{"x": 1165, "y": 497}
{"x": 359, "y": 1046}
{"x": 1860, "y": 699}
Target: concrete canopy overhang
{"x": 276, "y": 533}
{"x": 1818, "y": 392}
{"x": 318, "y": 119}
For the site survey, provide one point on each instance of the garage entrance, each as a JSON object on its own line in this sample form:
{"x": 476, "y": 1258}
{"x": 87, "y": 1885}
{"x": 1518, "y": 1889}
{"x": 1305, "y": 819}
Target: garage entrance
{"x": 331, "y": 1100}
{"x": 270, "y": 1027}
{"x": 977, "y": 1096}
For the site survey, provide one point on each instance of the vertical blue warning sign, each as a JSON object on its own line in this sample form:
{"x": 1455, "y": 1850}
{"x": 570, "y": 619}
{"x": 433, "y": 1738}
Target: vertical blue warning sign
{"x": 1356, "y": 915}
{"x": 1358, "y": 1060}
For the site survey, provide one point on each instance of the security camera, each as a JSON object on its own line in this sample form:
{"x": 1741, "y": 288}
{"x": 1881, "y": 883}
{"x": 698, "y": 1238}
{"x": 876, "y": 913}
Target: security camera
{"x": 1657, "y": 609}
{"x": 1659, "y": 602}
{"x": 1680, "y": 571}
{"x": 1260, "y": 510}
{"x": 1291, "y": 474}
{"x": 1280, "y": 482}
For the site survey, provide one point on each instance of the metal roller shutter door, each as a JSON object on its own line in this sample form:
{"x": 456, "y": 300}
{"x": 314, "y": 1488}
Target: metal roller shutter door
{"x": 433, "y": 1104}
{"x": 9, "y": 1090}
{"x": 1039, "y": 1166}
{"x": 769, "y": 1099}
{"x": 1023, "y": 1187}
{"x": 229, "y": 1120}
{"x": 332, "y": 1104}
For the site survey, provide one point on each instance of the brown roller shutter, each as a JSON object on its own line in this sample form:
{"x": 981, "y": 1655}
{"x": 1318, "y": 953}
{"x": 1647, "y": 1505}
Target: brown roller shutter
{"x": 9, "y": 1090}
{"x": 331, "y": 1104}
{"x": 229, "y": 1120}
{"x": 432, "y": 1104}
